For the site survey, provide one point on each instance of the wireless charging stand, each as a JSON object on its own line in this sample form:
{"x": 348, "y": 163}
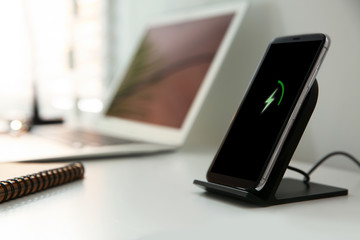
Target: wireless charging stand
{"x": 279, "y": 190}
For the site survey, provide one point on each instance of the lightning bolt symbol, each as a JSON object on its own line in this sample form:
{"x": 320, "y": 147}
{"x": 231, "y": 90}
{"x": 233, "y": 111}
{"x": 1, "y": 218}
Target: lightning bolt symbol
{"x": 269, "y": 101}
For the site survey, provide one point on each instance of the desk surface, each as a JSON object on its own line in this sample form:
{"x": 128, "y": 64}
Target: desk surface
{"x": 152, "y": 197}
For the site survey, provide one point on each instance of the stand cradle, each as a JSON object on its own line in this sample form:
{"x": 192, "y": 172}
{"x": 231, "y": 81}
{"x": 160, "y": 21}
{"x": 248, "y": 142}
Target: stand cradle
{"x": 278, "y": 190}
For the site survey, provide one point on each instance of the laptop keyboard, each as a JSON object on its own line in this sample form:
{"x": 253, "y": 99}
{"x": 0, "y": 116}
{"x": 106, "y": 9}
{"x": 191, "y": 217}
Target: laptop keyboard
{"x": 81, "y": 138}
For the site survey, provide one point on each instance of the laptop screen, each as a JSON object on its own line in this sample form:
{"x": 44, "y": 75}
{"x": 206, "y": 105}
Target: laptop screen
{"x": 167, "y": 71}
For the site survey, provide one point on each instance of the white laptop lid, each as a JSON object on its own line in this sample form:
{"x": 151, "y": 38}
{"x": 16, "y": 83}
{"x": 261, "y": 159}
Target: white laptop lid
{"x": 160, "y": 94}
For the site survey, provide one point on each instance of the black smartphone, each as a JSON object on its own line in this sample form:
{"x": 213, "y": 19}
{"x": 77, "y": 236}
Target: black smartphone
{"x": 270, "y": 106}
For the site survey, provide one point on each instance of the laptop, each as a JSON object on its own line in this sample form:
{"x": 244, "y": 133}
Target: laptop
{"x": 153, "y": 104}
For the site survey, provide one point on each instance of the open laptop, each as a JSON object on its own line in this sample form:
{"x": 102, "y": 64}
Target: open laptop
{"x": 154, "y": 103}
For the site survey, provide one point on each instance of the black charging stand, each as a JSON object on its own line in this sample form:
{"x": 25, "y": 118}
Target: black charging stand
{"x": 279, "y": 190}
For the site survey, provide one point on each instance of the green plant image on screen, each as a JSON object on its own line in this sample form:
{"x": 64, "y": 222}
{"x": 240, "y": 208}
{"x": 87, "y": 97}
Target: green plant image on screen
{"x": 167, "y": 71}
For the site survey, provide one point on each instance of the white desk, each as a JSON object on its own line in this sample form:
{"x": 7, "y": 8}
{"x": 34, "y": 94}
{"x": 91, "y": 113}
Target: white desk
{"x": 153, "y": 197}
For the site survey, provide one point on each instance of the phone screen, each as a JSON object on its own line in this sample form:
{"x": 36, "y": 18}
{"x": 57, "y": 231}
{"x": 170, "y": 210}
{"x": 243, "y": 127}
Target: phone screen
{"x": 265, "y": 110}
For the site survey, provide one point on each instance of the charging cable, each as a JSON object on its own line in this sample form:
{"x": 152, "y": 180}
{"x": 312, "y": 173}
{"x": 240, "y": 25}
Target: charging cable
{"x": 321, "y": 161}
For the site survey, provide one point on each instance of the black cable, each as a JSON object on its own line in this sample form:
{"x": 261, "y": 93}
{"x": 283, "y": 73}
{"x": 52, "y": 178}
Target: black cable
{"x": 322, "y": 160}
{"x": 357, "y": 162}
{"x": 306, "y": 176}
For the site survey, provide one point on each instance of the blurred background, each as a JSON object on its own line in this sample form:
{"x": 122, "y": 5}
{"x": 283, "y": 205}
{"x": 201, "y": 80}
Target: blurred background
{"x": 71, "y": 50}
{"x": 74, "y": 49}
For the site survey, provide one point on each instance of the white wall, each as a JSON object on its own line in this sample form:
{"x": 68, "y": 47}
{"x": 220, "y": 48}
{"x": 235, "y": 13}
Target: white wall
{"x": 335, "y": 124}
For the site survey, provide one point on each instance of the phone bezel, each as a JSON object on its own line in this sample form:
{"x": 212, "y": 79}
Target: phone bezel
{"x": 306, "y": 85}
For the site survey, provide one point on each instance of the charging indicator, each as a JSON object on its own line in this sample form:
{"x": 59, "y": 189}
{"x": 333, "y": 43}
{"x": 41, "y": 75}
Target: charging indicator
{"x": 282, "y": 91}
{"x": 270, "y": 99}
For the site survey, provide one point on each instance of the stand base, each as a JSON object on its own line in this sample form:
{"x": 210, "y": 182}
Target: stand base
{"x": 289, "y": 190}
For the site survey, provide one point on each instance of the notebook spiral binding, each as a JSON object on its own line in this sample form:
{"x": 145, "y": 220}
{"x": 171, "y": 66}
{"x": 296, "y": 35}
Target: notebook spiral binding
{"x": 28, "y": 184}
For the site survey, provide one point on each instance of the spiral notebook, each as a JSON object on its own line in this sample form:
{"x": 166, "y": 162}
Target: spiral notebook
{"x": 21, "y": 179}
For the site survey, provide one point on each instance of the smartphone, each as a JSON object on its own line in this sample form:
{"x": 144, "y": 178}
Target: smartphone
{"x": 269, "y": 108}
